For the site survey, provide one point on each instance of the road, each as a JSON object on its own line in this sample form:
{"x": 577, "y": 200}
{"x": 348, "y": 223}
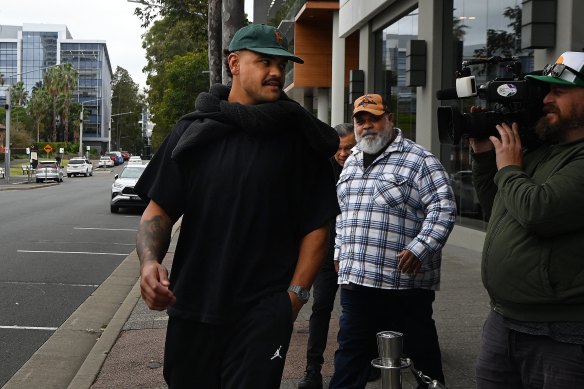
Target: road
{"x": 57, "y": 245}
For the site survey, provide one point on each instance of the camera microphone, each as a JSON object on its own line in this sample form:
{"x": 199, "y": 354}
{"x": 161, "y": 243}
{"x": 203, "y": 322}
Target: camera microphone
{"x": 465, "y": 87}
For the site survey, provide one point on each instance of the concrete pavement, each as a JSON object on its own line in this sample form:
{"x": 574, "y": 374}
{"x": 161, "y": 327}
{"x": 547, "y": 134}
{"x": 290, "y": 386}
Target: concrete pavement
{"x": 114, "y": 341}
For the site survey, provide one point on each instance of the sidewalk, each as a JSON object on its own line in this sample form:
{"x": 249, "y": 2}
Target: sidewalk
{"x": 129, "y": 352}
{"x": 21, "y": 182}
{"x": 135, "y": 360}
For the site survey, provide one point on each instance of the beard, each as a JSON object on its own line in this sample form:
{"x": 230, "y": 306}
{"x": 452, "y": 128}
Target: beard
{"x": 372, "y": 142}
{"x": 554, "y": 133}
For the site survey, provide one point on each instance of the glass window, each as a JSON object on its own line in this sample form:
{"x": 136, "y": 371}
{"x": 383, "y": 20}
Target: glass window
{"x": 481, "y": 29}
{"x": 390, "y": 71}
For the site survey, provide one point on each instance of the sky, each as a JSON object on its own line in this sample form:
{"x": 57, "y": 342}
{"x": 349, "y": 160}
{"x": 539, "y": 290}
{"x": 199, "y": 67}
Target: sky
{"x": 112, "y": 21}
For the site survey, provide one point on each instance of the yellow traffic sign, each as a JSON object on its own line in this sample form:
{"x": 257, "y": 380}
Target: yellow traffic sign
{"x": 48, "y": 148}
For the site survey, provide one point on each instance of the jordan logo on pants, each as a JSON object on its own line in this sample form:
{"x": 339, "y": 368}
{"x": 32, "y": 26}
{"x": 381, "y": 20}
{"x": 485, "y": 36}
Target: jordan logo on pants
{"x": 277, "y": 353}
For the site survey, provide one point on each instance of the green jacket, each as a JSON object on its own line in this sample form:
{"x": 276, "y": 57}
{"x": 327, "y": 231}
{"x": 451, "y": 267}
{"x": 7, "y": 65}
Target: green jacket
{"x": 533, "y": 257}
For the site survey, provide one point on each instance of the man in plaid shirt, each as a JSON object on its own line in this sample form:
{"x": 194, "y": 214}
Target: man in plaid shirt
{"x": 397, "y": 210}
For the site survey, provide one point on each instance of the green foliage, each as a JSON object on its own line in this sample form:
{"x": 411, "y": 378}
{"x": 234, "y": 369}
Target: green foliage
{"x": 184, "y": 80}
{"x": 127, "y": 105}
{"x": 282, "y": 12}
{"x": 20, "y": 138}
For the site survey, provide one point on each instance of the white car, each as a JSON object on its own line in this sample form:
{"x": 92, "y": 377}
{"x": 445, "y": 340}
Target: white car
{"x": 135, "y": 159}
{"x": 123, "y": 195}
{"x": 79, "y": 166}
{"x": 105, "y": 161}
{"x": 49, "y": 170}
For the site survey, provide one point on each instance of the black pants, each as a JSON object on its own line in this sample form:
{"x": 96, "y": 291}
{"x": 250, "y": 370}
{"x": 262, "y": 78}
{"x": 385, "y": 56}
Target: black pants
{"x": 324, "y": 291}
{"x": 367, "y": 311}
{"x": 509, "y": 359}
{"x": 247, "y": 354}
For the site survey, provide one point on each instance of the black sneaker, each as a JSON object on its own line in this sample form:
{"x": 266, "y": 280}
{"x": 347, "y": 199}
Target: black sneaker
{"x": 312, "y": 380}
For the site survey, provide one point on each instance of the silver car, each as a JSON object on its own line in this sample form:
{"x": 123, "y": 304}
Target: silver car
{"x": 79, "y": 166}
{"x": 49, "y": 170}
{"x": 123, "y": 195}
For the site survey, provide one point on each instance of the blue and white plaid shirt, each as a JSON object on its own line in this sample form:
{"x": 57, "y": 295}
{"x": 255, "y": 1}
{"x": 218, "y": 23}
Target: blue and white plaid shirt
{"x": 403, "y": 200}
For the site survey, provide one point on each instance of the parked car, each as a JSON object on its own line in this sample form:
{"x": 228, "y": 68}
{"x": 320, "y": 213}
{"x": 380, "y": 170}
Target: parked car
{"x": 116, "y": 156}
{"x": 123, "y": 195}
{"x": 135, "y": 159}
{"x": 105, "y": 161}
{"x": 49, "y": 170}
{"x": 78, "y": 166}
{"x": 125, "y": 155}
{"x": 467, "y": 201}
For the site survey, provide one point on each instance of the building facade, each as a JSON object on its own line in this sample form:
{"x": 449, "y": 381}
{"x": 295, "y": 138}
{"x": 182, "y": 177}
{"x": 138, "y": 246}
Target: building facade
{"x": 408, "y": 50}
{"x": 28, "y": 51}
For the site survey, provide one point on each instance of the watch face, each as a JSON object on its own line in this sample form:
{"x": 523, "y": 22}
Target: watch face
{"x": 303, "y": 294}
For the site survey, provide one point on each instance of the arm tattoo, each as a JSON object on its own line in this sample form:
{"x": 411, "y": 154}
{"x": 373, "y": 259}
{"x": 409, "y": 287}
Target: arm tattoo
{"x": 153, "y": 239}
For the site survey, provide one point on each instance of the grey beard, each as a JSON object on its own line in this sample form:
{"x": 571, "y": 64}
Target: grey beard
{"x": 374, "y": 144}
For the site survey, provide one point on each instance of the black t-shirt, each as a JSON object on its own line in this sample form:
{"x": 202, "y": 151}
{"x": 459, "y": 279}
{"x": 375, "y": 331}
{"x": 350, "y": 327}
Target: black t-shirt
{"x": 248, "y": 200}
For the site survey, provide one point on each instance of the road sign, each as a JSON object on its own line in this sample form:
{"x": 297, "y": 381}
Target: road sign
{"x": 48, "y": 148}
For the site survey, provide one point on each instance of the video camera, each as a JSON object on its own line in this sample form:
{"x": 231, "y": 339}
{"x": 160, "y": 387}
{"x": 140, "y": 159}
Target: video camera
{"x": 508, "y": 100}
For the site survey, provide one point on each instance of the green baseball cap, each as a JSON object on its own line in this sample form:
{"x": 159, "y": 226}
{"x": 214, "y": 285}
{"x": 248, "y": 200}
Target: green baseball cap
{"x": 567, "y": 70}
{"x": 262, "y": 39}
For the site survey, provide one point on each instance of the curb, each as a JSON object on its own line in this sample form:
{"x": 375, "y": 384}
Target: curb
{"x": 21, "y": 186}
{"x": 91, "y": 367}
{"x": 89, "y": 370}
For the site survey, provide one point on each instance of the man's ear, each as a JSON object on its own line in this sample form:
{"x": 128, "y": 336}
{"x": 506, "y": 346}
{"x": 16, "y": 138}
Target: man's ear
{"x": 390, "y": 117}
{"x": 233, "y": 61}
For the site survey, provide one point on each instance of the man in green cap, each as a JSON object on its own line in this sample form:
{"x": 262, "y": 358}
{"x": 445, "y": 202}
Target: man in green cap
{"x": 533, "y": 266}
{"x": 248, "y": 172}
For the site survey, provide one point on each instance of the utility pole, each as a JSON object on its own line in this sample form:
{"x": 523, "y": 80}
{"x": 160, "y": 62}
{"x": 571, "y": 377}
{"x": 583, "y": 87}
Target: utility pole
{"x": 7, "y": 149}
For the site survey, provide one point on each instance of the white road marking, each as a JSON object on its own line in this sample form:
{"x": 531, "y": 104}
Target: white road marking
{"x": 28, "y": 328}
{"x": 69, "y": 252}
{"x": 105, "y": 229}
{"x": 79, "y": 242}
{"x": 48, "y": 283}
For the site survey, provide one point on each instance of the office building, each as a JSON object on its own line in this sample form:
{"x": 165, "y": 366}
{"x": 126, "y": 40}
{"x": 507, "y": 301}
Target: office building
{"x": 28, "y": 51}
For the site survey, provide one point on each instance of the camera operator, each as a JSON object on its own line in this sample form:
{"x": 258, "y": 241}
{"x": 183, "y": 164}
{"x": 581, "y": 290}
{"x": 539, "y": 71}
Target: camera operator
{"x": 533, "y": 261}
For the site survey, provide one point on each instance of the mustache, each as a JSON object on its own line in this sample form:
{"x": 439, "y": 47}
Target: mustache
{"x": 549, "y": 109}
{"x": 273, "y": 80}
{"x": 367, "y": 133}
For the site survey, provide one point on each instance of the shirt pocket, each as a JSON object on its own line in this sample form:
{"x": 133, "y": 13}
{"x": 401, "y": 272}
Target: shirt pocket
{"x": 343, "y": 188}
{"x": 391, "y": 190}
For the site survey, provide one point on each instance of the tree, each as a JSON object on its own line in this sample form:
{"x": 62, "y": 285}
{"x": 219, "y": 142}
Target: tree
{"x": 126, "y": 112}
{"x": 232, "y": 20}
{"x": 68, "y": 85}
{"x": 185, "y": 80}
{"x": 215, "y": 46}
{"x": 52, "y": 82}
{"x": 18, "y": 94}
{"x": 38, "y": 108}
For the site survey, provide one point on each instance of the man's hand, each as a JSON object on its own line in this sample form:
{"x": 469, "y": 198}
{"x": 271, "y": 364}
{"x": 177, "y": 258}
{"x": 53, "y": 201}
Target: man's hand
{"x": 408, "y": 262}
{"x": 296, "y": 305}
{"x": 154, "y": 285}
{"x": 508, "y": 148}
{"x": 479, "y": 145}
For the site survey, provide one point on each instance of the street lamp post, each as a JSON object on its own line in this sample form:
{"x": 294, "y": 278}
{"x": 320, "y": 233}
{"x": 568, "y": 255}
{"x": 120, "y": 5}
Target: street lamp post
{"x": 7, "y": 149}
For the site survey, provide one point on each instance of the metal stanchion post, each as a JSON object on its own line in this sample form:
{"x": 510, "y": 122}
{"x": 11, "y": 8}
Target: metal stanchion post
{"x": 390, "y": 346}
